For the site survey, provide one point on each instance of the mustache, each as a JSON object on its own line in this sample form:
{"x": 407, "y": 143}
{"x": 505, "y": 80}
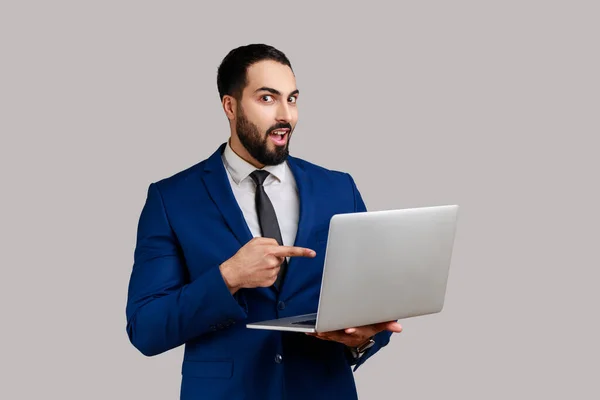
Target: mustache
{"x": 282, "y": 125}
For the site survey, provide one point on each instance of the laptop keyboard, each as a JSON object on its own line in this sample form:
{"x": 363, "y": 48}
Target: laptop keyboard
{"x": 308, "y": 322}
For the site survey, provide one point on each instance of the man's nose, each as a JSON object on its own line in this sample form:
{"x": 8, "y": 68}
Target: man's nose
{"x": 283, "y": 113}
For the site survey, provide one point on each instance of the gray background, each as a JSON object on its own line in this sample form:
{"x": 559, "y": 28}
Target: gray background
{"x": 490, "y": 105}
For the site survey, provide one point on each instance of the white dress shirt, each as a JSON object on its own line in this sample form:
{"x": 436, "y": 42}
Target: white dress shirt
{"x": 280, "y": 186}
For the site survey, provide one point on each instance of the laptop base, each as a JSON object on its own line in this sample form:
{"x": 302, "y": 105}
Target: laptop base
{"x": 299, "y": 323}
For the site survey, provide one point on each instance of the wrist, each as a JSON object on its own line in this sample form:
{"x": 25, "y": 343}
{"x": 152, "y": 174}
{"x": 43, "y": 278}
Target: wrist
{"x": 359, "y": 350}
{"x": 229, "y": 277}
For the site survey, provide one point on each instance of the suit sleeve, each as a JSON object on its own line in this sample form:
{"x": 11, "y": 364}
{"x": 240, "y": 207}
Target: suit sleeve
{"x": 382, "y": 338}
{"x": 164, "y": 310}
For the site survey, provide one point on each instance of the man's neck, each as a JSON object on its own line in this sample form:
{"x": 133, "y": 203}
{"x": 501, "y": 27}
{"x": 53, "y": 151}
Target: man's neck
{"x": 241, "y": 151}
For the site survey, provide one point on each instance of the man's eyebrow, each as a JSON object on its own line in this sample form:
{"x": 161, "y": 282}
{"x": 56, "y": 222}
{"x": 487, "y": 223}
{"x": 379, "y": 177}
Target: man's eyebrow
{"x": 274, "y": 91}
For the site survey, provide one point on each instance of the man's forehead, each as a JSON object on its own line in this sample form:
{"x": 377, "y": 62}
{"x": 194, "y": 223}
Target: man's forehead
{"x": 270, "y": 74}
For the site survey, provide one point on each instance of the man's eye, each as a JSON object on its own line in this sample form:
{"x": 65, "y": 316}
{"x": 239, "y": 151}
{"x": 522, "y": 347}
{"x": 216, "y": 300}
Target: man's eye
{"x": 293, "y": 99}
{"x": 266, "y": 97}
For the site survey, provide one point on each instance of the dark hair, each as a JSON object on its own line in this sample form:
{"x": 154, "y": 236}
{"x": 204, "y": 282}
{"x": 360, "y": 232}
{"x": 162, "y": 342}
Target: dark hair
{"x": 231, "y": 76}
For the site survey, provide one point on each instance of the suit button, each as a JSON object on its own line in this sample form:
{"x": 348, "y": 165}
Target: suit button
{"x": 281, "y": 305}
{"x": 278, "y": 358}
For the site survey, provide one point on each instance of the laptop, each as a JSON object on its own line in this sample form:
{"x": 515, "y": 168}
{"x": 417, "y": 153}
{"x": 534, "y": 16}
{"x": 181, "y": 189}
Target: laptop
{"x": 380, "y": 266}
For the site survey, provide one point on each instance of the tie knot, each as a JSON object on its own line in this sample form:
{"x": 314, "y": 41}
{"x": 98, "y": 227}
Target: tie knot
{"x": 259, "y": 176}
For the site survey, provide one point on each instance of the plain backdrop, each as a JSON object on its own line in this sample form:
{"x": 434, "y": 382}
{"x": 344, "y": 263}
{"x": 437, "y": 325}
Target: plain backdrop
{"x": 492, "y": 105}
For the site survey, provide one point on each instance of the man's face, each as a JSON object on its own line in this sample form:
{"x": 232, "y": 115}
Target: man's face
{"x": 267, "y": 115}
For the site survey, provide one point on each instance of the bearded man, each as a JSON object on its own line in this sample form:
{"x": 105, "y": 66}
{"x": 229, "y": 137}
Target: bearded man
{"x": 240, "y": 237}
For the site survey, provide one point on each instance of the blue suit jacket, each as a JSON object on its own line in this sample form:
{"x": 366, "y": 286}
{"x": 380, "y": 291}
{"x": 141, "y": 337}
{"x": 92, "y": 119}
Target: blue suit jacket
{"x": 190, "y": 224}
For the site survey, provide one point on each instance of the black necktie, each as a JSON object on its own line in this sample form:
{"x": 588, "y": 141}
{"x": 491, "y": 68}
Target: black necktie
{"x": 267, "y": 218}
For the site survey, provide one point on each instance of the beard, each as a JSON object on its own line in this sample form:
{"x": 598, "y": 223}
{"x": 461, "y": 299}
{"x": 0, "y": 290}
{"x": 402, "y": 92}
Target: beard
{"x": 257, "y": 144}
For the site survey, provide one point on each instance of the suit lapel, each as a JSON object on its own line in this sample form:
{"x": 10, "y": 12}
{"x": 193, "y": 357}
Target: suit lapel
{"x": 218, "y": 186}
{"x": 305, "y": 220}
{"x": 305, "y": 194}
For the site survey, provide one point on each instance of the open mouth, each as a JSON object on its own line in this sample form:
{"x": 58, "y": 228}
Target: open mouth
{"x": 279, "y": 136}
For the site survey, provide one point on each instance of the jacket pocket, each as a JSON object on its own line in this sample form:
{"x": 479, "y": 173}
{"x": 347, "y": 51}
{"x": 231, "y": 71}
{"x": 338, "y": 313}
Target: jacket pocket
{"x": 208, "y": 369}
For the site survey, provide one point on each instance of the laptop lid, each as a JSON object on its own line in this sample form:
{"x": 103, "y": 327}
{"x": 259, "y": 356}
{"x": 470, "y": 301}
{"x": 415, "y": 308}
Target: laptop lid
{"x": 385, "y": 265}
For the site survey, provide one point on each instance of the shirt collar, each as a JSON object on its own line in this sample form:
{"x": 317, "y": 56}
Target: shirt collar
{"x": 240, "y": 169}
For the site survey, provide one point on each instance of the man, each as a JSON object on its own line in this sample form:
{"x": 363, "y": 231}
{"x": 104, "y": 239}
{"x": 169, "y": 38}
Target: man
{"x": 240, "y": 237}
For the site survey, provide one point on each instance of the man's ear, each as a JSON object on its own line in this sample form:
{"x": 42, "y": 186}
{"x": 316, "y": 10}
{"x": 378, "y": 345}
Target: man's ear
{"x": 229, "y": 106}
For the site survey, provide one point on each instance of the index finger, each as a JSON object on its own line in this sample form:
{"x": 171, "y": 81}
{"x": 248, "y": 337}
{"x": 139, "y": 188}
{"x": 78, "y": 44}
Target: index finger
{"x": 293, "y": 251}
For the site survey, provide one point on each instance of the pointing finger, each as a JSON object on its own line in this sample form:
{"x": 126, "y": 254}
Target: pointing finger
{"x": 292, "y": 251}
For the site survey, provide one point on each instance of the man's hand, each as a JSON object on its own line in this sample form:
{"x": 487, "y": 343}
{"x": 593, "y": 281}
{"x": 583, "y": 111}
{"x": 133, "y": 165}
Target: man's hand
{"x": 354, "y": 337}
{"x": 257, "y": 263}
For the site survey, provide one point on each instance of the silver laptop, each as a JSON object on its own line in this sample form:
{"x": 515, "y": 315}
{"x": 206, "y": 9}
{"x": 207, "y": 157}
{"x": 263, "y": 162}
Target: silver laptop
{"x": 380, "y": 266}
